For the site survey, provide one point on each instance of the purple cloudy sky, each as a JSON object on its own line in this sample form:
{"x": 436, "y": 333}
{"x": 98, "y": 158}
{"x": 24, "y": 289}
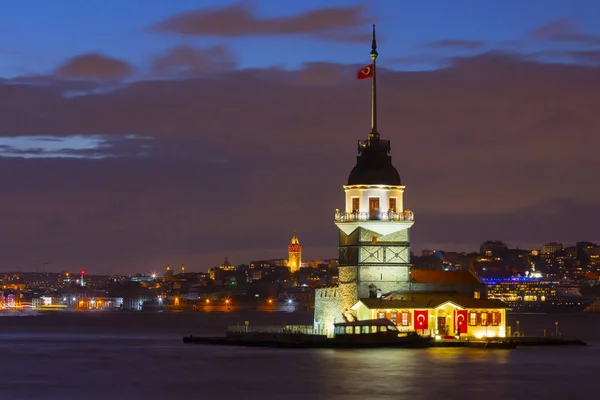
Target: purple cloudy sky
{"x": 137, "y": 134}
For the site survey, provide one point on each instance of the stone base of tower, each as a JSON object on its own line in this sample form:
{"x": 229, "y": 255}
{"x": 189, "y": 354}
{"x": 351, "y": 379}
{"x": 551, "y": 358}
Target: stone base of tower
{"x": 334, "y": 304}
{"x": 347, "y": 288}
{"x": 377, "y": 280}
{"x": 327, "y": 310}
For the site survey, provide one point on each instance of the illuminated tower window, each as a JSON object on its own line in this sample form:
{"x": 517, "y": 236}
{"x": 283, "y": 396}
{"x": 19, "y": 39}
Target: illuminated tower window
{"x": 392, "y": 206}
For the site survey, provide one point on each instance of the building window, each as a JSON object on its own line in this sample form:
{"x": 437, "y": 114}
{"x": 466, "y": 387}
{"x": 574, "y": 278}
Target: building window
{"x": 496, "y": 318}
{"x": 405, "y": 318}
{"x": 473, "y": 318}
{"x": 477, "y": 294}
{"x": 484, "y": 318}
{"x": 381, "y": 314}
{"x": 355, "y": 204}
{"x": 394, "y": 317}
{"x": 392, "y": 206}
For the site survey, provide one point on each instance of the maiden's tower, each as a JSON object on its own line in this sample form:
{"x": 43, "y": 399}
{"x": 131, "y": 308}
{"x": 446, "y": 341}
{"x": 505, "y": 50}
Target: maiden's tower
{"x": 374, "y": 240}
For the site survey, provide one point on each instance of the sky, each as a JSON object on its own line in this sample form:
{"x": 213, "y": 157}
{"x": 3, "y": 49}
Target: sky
{"x": 138, "y": 134}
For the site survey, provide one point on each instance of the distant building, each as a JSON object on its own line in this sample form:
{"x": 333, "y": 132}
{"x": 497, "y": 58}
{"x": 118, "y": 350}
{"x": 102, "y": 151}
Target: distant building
{"x": 551, "y": 248}
{"x": 256, "y": 275}
{"x": 324, "y": 262}
{"x": 493, "y": 248}
{"x": 276, "y": 262}
{"x": 294, "y": 254}
{"x": 221, "y": 271}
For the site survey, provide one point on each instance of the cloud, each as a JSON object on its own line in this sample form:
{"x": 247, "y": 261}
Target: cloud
{"x": 74, "y": 146}
{"x": 187, "y": 60}
{"x": 245, "y": 156}
{"x": 94, "y": 66}
{"x": 586, "y": 56}
{"x": 433, "y": 61}
{"x": 240, "y": 19}
{"x": 582, "y": 57}
{"x": 563, "y": 30}
{"x": 455, "y": 44}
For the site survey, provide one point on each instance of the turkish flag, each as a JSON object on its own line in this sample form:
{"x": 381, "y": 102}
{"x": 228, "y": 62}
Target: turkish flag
{"x": 366, "y": 72}
{"x": 421, "y": 319}
{"x": 460, "y": 320}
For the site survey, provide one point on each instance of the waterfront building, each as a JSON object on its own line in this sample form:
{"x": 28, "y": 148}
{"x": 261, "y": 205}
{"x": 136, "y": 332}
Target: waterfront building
{"x": 374, "y": 279}
{"x": 294, "y": 254}
{"x": 438, "y": 314}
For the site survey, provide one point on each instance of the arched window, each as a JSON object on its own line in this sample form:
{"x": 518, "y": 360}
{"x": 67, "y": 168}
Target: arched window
{"x": 380, "y": 314}
{"x": 473, "y": 318}
{"x": 394, "y": 317}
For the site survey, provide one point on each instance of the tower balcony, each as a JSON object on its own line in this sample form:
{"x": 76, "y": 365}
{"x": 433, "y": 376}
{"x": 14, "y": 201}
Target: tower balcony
{"x": 359, "y": 216}
{"x": 382, "y": 222}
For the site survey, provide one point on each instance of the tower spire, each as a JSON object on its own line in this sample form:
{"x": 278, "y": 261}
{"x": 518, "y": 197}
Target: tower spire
{"x": 374, "y": 134}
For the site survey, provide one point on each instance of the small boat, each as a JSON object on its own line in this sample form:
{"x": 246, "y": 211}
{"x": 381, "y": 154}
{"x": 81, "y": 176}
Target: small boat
{"x": 375, "y": 333}
{"x": 378, "y": 333}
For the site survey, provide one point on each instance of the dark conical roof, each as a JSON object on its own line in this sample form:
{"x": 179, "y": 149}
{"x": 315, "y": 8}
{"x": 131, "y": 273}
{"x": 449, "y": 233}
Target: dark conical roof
{"x": 374, "y": 164}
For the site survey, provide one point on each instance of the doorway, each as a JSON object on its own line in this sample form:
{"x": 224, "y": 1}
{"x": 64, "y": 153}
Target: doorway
{"x": 373, "y": 207}
{"x": 441, "y": 325}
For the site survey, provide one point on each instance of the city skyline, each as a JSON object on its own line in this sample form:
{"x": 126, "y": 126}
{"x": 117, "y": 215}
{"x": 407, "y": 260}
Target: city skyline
{"x": 189, "y": 137}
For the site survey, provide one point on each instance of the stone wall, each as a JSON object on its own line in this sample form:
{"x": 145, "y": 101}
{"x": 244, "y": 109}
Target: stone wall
{"x": 385, "y": 278}
{"x": 366, "y": 236}
{"x": 347, "y": 278}
{"x": 327, "y": 310}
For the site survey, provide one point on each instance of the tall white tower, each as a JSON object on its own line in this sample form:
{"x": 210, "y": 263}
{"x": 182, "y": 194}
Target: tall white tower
{"x": 374, "y": 241}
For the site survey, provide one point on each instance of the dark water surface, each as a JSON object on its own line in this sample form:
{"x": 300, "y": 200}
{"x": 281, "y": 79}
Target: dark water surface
{"x": 141, "y": 356}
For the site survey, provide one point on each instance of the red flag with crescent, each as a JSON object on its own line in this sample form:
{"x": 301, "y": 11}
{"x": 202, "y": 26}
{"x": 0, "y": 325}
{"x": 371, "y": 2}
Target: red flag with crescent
{"x": 421, "y": 319}
{"x": 460, "y": 320}
{"x": 366, "y": 72}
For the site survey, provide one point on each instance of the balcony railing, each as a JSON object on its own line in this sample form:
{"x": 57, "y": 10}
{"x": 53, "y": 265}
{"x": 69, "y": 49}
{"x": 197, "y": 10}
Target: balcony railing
{"x": 353, "y": 216}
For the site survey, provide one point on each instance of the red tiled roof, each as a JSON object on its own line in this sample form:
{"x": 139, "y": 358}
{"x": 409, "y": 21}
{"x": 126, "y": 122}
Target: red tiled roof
{"x": 423, "y": 300}
{"x": 432, "y": 276}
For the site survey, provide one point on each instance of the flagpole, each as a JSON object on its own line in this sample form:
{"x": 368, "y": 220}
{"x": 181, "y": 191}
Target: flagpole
{"x": 373, "y": 54}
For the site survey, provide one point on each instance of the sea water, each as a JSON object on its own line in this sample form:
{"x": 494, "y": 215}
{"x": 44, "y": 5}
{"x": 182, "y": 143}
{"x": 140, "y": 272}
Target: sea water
{"x": 63, "y": 355}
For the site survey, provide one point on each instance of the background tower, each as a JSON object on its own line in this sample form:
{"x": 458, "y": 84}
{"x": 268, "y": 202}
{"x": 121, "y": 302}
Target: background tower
{"x": 294, "y": 254}
{"x": 374, "y": 243}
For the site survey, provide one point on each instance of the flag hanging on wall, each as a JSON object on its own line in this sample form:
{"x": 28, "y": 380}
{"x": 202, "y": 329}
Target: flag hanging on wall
{"x": 421, "y": 319}
{"x": 460, "y": 321}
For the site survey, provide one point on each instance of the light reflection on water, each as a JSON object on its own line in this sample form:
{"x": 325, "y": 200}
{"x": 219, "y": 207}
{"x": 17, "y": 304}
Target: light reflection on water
{"x": 137, "y": 356}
